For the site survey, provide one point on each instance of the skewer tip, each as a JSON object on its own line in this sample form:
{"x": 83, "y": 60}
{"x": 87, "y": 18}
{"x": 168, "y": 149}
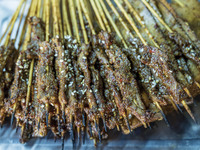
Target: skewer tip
{"x": 90, "y": 129}
{"x": 79, "y": 134}
{"x": 128, "y": 125}
{"x": 104, "y": 124}
{"x": 83, "y": 117}
{"x": 39, "y": 125}
{"x": 188, "y": 92}
{"x": 72, "y": 131}
{"x": 63, "y": 117}
{"x": 198, "y": 85}
{"x": 83, "y": 135}
{"x": 55, "y": 139}
{"x": 149, "y": 126}
{"x": 47, "y": 117}
{"x": 12, "y": 118}
{"x": 180, "y": 110}
{"x": 164, "y": 117}
{"x": 99, "y": 131}
{"x": 63, "y": 142}
{"x": 17, "y": 128}
{"x": 188, "y": 110}
{"x": 59, "y": 127}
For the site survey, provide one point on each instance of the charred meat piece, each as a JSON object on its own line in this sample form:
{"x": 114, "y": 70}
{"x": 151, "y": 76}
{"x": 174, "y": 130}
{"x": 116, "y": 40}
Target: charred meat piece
{"x": 19, "y": 85}
{"x": 8, "y": 57}
{"x": 47, "y": 83}
{"x": 157, "y": 61}
{"x": 125, "y": 80}
{"x": 111, "y": 114}
{"x": 83, "y": 63}
{"x": 74, "y": 112}
{"x": 188, "y": 50}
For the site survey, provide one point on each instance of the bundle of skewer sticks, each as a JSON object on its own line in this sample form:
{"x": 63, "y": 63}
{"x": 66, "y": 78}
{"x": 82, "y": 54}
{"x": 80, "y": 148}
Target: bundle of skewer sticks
{"x": 86, "y": 66}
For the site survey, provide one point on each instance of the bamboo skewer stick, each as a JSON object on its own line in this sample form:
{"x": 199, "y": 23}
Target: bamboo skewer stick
{"x": 174, "y": 105}
{"x": 157, "y": 16}
{"x": 31, "y": 72}
{"x": 100, "y": 10}
{"x": 169, "y": 30}
{"x": 39, "y": 7}
{"x": 47, "y": 22}
{"x": 188, "y": 110}
{"x": 21, "y": 17}
{"x": 12, "y": 22}
{"x": 57, "y": 34}
{"x": 25, "y": 27}
{"x": 59, "y": 18}
{"x": 82, "y": 5}
{"x": 120, "y": 18}
{"x": 131, "y": 22}
{"x": 188, "y": 92}
{"x": 33, "y": 12}
{"x": 198, "y": 85}
{"x": 161, "y": 111}
{"x": 179, "y": 2}
{"x": 66, "y": 24}
{"x": 28, "y": 33}
{"x": 7, "y": 27}
{"x": 82, "y": 22}
{"x": 125, "y": 117}
{"x": 112, "y": 22}
{"x": 44, "y": 10}
{"x": 88, "y": 17}
{"x": 74, "y": 19}
{"x": 57, "y": 28}
{"x": 55, "y": 19}
{"x": 64, "y": 11}
{"x": 137, "y": 16}
{"x": 117, "y": 30}
{"x": 15, "y": 105}
{"x": 175, "y": 16}
{"x": 144, "y": 42}
{"x": 97, "y": 14}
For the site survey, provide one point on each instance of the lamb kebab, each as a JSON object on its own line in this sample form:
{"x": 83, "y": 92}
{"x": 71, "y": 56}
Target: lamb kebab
{"x": 180, "y": 77}
{"x": 8, "y": 59}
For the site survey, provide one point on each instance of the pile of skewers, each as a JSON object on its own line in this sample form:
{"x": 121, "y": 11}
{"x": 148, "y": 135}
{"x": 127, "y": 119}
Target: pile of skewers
{"x": 88, "y": 66}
